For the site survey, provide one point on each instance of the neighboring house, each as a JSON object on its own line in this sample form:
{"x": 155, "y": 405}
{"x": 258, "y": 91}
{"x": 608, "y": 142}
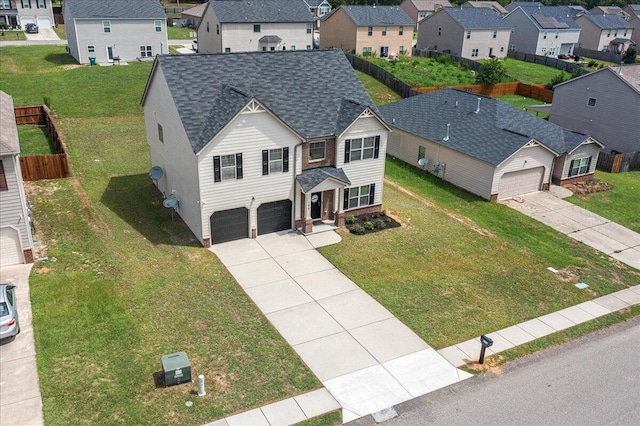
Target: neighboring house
{"x": 383, "y": 31}
{"x": 120, "y": 30}
{"x": 607, "y": 33}
{"x": 16, "y": 243}
{"x": 494, "y": 5}
{"x": 609, "y": 10}
{"x": 485, "y": 146}
{"x": 514, "y": 4}
{"x": 193, "y": 16}
{"x": 318, "y": 9}
{"x": 603, "y": 103}
{"x": 543, "y": 30}
{"x": 420, "y": 9}
{"x": 473, "y": 33}
{"x": 19, "y": 13}
{"x": 257, "y": 25}
{"x": 632, "y": 10}
{"x": 634, "y": 19}
{"x": 243, "y": 145}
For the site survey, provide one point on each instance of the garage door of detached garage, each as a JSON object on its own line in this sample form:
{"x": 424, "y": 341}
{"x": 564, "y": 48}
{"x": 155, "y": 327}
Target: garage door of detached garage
{"x": 44, "y": 22}
{"x": 229, "y": 225}
{"x": 10, "y": 252}
{"x": 521, "y": 182}
{"x": 273, "y": 217}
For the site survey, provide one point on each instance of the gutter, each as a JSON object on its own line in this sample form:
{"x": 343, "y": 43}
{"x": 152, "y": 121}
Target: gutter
{"x": 295, "y": 170}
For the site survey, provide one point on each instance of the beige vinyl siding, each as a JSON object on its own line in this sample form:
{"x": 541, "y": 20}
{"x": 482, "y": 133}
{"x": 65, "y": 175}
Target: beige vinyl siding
{"x": 249, "y": 133}
{"x": 616, "y": 104}
{"x": 392, "y": 40}
{"x": 241, "y": 38}
{"x": 583, "y": 151}
{"x": 338, "y": 31}
{"x": 13, "y": 210}
{"x": 175, "y": 155}
{"x": 364, "y": 172}
{"x": 528, "y": 157}
{"x": 464, "y": 171}
{"x": 127, "y": 35}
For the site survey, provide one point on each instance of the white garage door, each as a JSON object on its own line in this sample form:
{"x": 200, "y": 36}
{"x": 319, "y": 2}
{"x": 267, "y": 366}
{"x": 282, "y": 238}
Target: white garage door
{"x": 10, "y": 253}
{"x": 44, "y": 22}
{"x": 25, "y": 21}
{"x": 521, "y": 182}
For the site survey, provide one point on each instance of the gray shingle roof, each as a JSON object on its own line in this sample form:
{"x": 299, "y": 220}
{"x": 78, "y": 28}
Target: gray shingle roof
{"x": 313, "y": 3}
{"x": 609, "y": 21}
{"x": 493, "y": 134}
{"x": 8, "y": 127}
{"x": 114, "y": 9}
{"x": 377, "y": 15}
{"x": 562, "y": 14}
{"x": 515, "y": 4}
{"x": 476, "y": 17}
{"x": 209, "y": 90}
{"x": 311, "y": 178}
{"x": 261, "y": 11}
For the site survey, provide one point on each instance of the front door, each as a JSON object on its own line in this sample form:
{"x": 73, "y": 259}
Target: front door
{"x": 109, "y": 53}
{"x": 316, "y": 205}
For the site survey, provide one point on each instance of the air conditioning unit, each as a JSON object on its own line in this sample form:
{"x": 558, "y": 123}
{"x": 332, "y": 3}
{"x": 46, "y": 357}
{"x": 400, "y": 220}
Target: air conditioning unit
{"x": 176, "y": 369}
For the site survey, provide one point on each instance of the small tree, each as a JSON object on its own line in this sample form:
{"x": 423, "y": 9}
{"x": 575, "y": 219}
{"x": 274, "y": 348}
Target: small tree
{"x": 490, "y": 72}
{"x": 630, "y": 55}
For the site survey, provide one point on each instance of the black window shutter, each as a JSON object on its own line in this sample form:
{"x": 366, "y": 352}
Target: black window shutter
{"x": 345, "y": 204}
{"x": 216, "y": 169}
{"x": 239, "y": 165}
{"x": 265, "y": 162}
{"x": 347, "y": 150}
{"x": 571, "y": 168}
{"x": 589, "y": 165}
{"x": 376, "y": 149}
{"x": 372, "y": 192}
{"x": 285, "y": 159}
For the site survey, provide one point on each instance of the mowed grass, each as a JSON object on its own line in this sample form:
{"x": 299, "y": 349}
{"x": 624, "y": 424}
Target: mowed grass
{"x": 35, "y": 140}
{"x": 425, "y": 72}
{"x": 531, "y": 73}
{"x": 125, "y": 284}
{"x": 468, "y": 267}
{"x": 379, "y": 92}
{"x": 621, "y": 204}
{"x": 521, "y": 101}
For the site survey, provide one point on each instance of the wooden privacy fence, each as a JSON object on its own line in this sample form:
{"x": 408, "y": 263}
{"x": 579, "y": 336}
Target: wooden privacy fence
{"x": 39, "y": 167}
{"x": 619, "y": 163}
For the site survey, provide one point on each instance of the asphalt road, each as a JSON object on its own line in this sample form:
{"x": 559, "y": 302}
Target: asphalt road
{"x": 593, "y": 380}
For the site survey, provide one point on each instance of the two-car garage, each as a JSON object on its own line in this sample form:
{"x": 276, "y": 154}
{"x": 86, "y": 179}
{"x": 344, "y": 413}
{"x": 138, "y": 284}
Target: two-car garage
{"x": 233, "y": 224}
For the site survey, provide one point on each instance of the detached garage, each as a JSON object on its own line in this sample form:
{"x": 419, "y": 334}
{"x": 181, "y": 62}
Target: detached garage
{"x": 480, "y": 144}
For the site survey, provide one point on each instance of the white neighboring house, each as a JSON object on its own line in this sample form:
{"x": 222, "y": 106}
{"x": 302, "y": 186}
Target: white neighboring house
{"x": 542, "y": 30}
{"x": 230, "y": 26}
{"x": 243, "y": 145}
{"x": 16, "y": 243}
{"x": 115, "y": 30}
{"x": 318, "y": 9}
{"x": 39, "y": 12}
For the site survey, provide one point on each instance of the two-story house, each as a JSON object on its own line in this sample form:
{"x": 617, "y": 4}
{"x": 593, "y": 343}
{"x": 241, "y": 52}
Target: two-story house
{"x": 18, "y": 13}
{"x": 115, "y": 30}
{"x": 470, "y": 32}
{"x": 259, "y": 25}
{"x": 542, "y": 30}
{"x": 603, "y": 103}
{"x": 243, "y": 145}
{"x": 609, "y": 10}
{"x": 607, "y": 33}
{"x": 381, "y": 31}
{"x": 420, "y": 9}
{"x": 318, "y": 9}
{"x": 497, "y": 7}
{"x": 16, "y": 243}
{"x": 634, "y": 19}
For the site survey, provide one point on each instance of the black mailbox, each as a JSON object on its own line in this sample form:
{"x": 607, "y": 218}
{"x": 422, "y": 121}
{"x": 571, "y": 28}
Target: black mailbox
{"x": 486, "y": 341}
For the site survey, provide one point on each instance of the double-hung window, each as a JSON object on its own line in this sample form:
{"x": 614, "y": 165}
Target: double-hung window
{"x": 256, "y": 28}
{"x": 275, "y": 160}
{"x": 370, "y": 31}
{"x": 106, "y": 26}
{"x": 26, "y": 4}
{"x": 317, "y": 150}
{"x": 42, "y": 4}
{"x": 158, "y": 25}
{"x": 359, "y": 196}
{"x": 384, "y": 31}
{"x": 474, "y": 52}
{"x": 400, "y": 30}
{"x": 146, "y": 51}
{"x": 579, "y": 166}
{"x": 468, "y": 34}
{"x": 309, "y": 28}
{"x": 361, "y": 148}
{"x": 227, "y": 167}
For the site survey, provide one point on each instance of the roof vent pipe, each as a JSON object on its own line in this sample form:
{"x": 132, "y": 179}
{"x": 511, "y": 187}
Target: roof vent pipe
{"x": 446, "y": 138}
{"x": 456, "y": 104}
{"x": 477, "y": 109}
{"x": 620, "y": 69}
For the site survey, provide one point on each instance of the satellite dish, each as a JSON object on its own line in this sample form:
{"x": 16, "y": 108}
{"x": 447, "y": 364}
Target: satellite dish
{"x": 156, "y": 173}
{"x": 423, "y": 161}
{"x": 170, "y": 202}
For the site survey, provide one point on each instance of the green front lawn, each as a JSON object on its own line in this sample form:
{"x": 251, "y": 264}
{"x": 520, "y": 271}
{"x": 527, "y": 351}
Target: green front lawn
{"x": 124, "y": 283}
{"x": 6, "y": 35}
{"x": 35, "y": 140}
{"x": 621, "y": 204}
{"x": 530, "y": 73}
{"x": 461, "y": 266}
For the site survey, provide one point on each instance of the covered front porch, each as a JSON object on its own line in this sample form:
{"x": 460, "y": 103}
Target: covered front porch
{"x": 320, "y": 199}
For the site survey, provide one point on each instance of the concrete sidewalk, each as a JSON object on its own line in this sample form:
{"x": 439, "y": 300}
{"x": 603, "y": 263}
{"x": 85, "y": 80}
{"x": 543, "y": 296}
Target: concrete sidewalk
{"x": 365, "y": 357}
{"x": 593, "y": 230}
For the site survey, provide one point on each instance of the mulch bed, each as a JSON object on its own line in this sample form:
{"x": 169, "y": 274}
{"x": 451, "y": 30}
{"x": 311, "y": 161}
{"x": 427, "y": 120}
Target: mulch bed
{"x": 588, "y": 187}
{"x": 380, "y": 222}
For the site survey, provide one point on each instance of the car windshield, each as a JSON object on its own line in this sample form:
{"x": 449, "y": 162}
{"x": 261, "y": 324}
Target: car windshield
{"x": 4, "y": 309}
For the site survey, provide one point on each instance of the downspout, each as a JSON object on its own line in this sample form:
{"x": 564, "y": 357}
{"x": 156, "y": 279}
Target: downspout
{"x": 295, "y": 170}
{"x": 553, "y": 165}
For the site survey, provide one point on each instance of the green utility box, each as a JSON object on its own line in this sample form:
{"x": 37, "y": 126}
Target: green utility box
{"x": 92, "y": 60}
{"x": 176, "y": 369}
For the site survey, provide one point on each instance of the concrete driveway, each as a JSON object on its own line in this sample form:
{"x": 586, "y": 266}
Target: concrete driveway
{"x": 593, "y": 230}
{"x": 20, "y": 399}
{"x": 364, "y": 356}
{"x": 43, "y": 34}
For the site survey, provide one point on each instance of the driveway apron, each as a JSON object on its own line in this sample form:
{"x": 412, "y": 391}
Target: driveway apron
{"x": 365, "y": 357}
{"x": 593, "y": 230}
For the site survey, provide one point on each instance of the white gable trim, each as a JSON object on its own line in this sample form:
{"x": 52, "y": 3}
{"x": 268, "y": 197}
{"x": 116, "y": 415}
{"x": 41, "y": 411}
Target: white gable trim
{"x": 587, "y": 141}
{"x": 531, "y": 144}
{"x": 367, "y": 113}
